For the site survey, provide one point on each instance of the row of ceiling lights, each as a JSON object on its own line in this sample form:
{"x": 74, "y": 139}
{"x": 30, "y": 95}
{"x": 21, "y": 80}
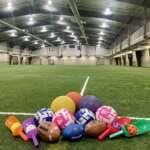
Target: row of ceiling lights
{"x": 31, "y": 22}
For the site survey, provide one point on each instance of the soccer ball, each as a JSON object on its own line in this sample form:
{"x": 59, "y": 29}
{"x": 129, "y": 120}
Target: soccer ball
{"x": 43, "y": 114}
{"x": 106, "y": 114}
{"x": 63, "y": 118}
{"x": 83, "y": 116}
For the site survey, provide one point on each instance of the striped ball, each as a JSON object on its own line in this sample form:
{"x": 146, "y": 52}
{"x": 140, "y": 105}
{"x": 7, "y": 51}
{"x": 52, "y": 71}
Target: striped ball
{"x": 63, "y": 118}
{"x": 106, "y": 114}
{"x": 44, "y": 114}
{"x": 84, "y": 115}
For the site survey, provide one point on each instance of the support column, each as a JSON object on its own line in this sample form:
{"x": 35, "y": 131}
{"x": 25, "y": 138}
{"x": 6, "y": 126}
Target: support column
{"x": 134, "y": 59}
{"x": 146, "y": 58}
{"x": 127, "y": 60}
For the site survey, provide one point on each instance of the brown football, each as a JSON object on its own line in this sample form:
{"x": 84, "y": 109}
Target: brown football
{"x": 49, "y": 131}
{"x": 95, "y": 128}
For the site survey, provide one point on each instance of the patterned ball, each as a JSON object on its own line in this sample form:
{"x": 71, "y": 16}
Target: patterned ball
{"x": 106, "y": 114}
{"x": 43, "y": 114}
{"x": 63, "y": 118}
{"x": 83, "y": 116}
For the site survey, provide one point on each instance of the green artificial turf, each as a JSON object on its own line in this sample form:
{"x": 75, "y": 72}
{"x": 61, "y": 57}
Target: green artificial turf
{"x": 28, "y": 88}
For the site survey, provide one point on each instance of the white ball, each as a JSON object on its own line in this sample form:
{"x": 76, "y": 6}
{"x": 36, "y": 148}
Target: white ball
{"x": 106, "y": 114}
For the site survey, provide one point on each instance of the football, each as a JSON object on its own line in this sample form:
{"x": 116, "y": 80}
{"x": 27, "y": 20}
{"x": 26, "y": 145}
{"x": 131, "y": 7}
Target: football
{"x": 49, "y": 131}
{"x": 43, "y": 114}
{"x": 73, "y": 132}
{"x": 94, "y": 128}
{"x": 83, "y": 116}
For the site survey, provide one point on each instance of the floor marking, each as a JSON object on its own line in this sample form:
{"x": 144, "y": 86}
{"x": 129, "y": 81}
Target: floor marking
{"x": 81, "y": 93}
{"x": 84, "y": 86}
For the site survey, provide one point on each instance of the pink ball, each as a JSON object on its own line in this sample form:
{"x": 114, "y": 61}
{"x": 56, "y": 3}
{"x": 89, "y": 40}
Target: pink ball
{"x": 106, "y": 114}
{"x": 63, "y": 118}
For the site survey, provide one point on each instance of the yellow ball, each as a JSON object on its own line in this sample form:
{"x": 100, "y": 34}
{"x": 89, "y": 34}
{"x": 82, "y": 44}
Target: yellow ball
{"x": 63, "y": 102}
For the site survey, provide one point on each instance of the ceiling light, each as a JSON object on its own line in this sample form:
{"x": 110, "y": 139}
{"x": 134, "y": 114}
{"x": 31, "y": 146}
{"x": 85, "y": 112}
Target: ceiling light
{"x": 62, "y": 42}
{"x": 26, "y": 38}
{"x": 104, "y": 25}
{"x": 107, "y": 11}
{"x": 13, "y": 34}
{"x": 58, "y": 39}
{"x": 44, "y": 29}
{"x": 49, "y": 2}
{"x": 43, "y": 45}
{"x": 9, "y": 6}
{"x": 31, "y": 21}
{"x": 36, "y": 42}
{"x": 68, "y": 28}
{"x": 102, "y": 33}
{"x": 100, "y": 38}
{"x": 52, "y": 35}
{"x": 61, "y": 18}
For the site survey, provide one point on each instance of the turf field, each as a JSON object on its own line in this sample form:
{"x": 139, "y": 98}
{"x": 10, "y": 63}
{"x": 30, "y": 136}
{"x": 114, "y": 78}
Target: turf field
{"x": 28, "y": 88}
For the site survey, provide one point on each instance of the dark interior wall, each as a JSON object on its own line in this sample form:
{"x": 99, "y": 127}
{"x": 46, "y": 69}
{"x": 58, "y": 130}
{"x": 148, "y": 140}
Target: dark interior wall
{"x": 124, "y": 60}
{"x": 130, "y": 57}
{"x": 139, "y": 58}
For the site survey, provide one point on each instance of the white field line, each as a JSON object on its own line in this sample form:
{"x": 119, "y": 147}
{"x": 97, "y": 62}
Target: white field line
{"x": 84, "y": 86}
{"x": 81, "y": 93}
{"x": 32, "y": 114}
{"x": 17, "y": 113}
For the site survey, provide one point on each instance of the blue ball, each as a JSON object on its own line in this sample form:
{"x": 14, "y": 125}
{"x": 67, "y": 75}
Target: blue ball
{"x": 44, "y": 114}
{"x": 73, "y": 132}
{"x": 84, "y": 116}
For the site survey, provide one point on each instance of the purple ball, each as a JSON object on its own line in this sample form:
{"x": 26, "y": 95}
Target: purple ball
{"x": 90, "y": 102}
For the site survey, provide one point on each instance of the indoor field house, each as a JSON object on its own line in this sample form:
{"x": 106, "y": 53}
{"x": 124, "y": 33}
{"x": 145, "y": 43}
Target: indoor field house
{"x": 74, "y": 74}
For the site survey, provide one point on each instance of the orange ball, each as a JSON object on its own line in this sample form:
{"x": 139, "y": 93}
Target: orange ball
{"x": 75, "y": 96}
{"x": 132, "y": 130}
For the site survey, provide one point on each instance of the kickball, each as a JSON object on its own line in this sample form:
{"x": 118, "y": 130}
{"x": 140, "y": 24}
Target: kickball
{"x": 75, "y": 96}
{"x": 63, "y": 118}
{"x": 90, "y": 102}
{"x": 106, "y": 114}
{"x": 63, "y": 102}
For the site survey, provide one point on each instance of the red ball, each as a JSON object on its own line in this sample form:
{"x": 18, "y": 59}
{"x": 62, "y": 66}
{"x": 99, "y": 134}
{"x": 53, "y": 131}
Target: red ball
{"x": 75, "y": 96}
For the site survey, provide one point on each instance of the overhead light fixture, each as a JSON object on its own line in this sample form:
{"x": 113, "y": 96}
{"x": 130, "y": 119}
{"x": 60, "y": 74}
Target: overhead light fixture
{"x": 26, "y": 38}
{"x": 31, "y": 21}
{"x": 107, "y": 11}
{"x": 49, "y": 2}
{"x": 9, "y": 6}
{"x": 43, "y": 46}
{"x": 102, "y": 33}
{"x": 68, "y": 28}
{"x": 62, "y": 42}
{"x": 44, "y": 29}
{"x": 61, "y": 18}
{"x": 13, "y": 34}
{"x": 52, "y": 35}
{"x": 58, "y": 39}
{"x": 36, "y": 42}
{"x": 100, "y": 38}
{"x": 104, "y": 25}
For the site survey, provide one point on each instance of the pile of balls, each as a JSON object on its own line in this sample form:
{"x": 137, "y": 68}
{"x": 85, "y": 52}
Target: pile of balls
{"x": 71, "y": 117}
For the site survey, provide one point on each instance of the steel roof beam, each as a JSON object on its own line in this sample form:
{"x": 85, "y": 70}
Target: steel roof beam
{"x": 73, "y": 7}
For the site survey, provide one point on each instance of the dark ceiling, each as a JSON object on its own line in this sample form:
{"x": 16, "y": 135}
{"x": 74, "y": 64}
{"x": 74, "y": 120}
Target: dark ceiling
{"x": 53, "y": 20}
